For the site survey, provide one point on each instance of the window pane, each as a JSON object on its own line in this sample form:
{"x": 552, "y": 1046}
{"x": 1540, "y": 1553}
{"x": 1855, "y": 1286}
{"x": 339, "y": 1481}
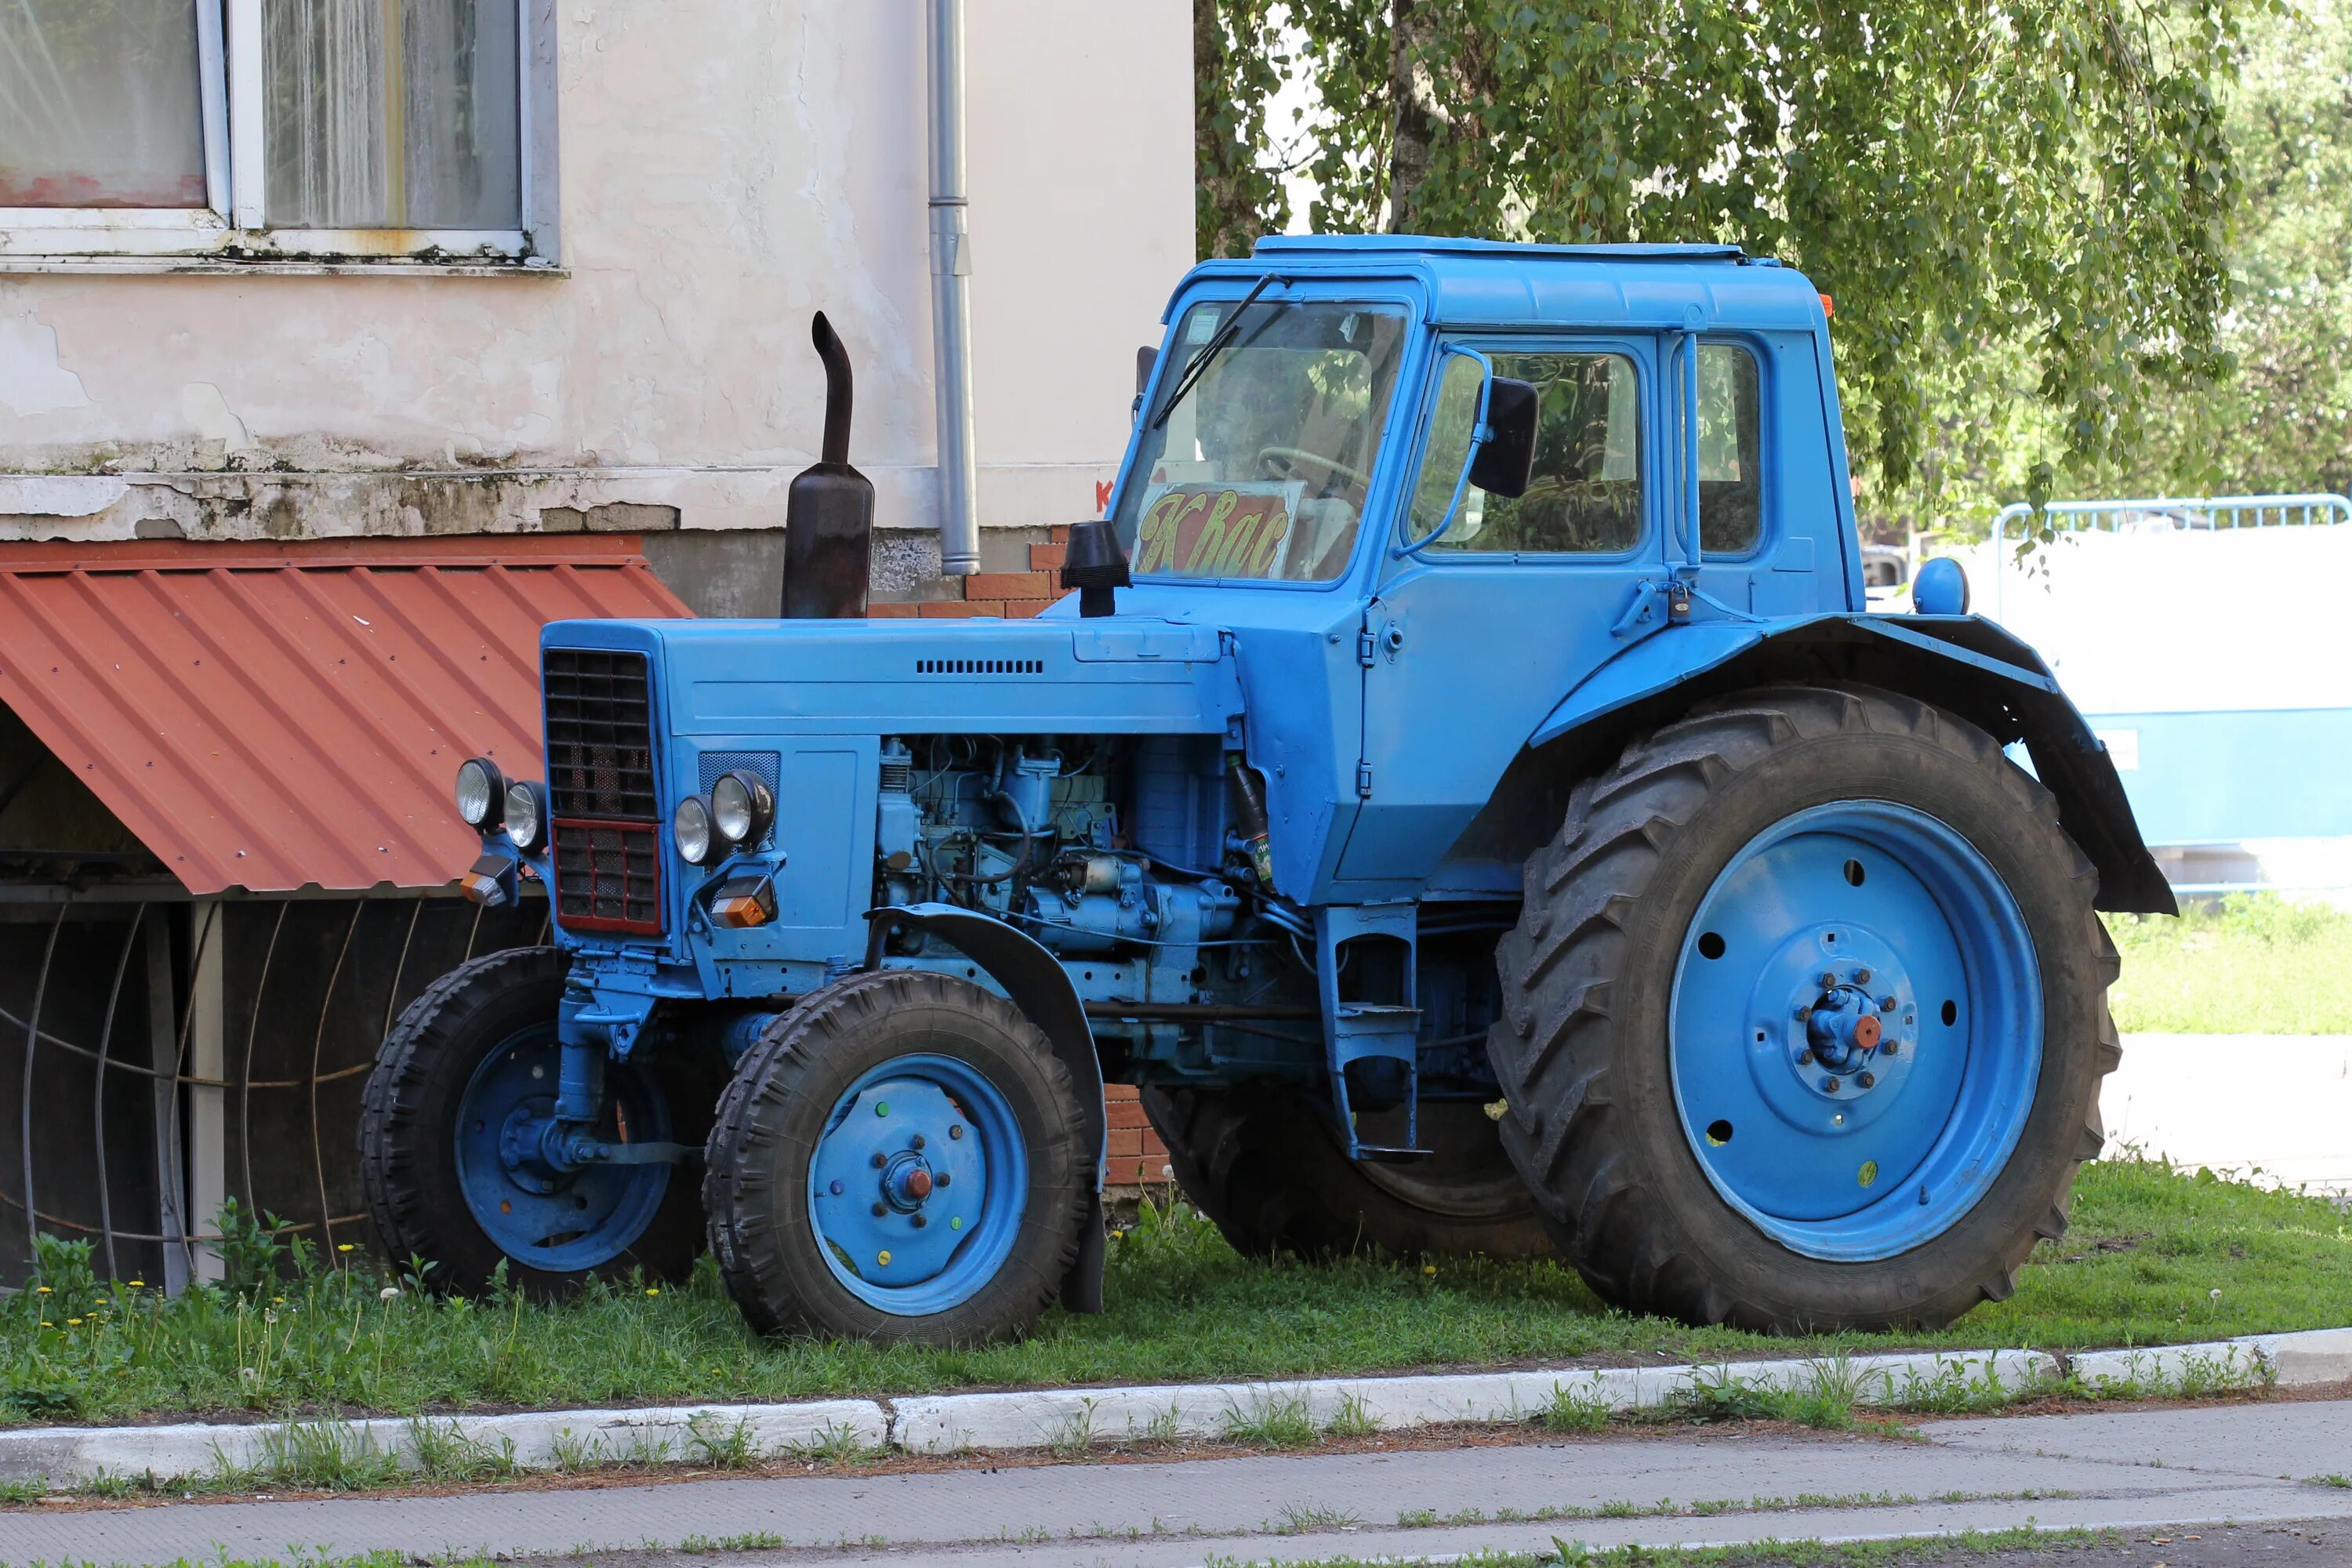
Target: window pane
{"x": 393, "y": 114}
{"x": 1263, "y": 468}
{"x": 1730, "y": 487}
{"x": 99, "y": 105}
{"x": 1586, "y": 495}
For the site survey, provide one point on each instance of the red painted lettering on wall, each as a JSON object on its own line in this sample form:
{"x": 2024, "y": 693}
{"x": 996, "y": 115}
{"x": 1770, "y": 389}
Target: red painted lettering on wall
{"x": 1102, "y": 495}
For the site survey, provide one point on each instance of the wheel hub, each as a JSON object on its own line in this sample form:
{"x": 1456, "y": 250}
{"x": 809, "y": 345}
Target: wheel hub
{"x": 900, "y": 1182}
{"x": 519, "y": 1169}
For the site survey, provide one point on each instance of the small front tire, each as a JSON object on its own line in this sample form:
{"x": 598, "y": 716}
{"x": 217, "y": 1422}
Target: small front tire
{"x": 476, "y": 1050}
{"x": 900, "y": 1158}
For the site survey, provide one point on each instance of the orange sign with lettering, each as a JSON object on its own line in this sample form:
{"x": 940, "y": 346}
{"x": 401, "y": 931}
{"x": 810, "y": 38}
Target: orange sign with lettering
{"x": 1215, "y": 531}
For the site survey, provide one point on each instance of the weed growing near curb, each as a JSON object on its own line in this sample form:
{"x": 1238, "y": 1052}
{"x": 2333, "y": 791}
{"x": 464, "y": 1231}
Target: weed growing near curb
{"x": 338, "y": 1336}
{"x": 1273, "y": 1421}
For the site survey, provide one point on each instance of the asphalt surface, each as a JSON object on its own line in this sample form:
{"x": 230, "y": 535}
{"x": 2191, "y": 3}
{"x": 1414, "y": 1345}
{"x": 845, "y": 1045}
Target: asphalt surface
{"x": 2146, "y": 1472}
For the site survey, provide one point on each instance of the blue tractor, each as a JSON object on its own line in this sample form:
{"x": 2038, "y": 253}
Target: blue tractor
{"x": 1465, "y": 792}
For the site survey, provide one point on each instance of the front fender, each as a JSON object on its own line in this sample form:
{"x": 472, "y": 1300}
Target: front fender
{"x": 1962, "y": 663}
{"x": 1037, "y": 984}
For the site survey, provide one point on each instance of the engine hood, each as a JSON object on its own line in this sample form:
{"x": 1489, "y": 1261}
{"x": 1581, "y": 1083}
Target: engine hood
{"x": 1131, "y": 675}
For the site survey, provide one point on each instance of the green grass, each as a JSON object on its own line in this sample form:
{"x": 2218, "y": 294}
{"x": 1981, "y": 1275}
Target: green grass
{"x": 2152, "y": 1257}
{"x": 2256, "y": 965}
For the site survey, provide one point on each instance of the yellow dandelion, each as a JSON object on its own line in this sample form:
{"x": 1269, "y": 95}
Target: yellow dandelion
{"x": 343, "y": 1247}
{"x": 40, "y": 1290}
{"x": 139, "y": 1284}
{"x": 47, "y": 1325}
{"x": 1429, "y": 1269}
{"x": 653, "y": 1292}
{"x": 73, "y": 1323}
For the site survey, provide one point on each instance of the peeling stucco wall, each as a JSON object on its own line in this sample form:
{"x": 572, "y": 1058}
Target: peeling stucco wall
{"x": 726, "y": 171}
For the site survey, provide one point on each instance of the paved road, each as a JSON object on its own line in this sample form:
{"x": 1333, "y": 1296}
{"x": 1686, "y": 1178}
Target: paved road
{"x": 2125, "y": 1469}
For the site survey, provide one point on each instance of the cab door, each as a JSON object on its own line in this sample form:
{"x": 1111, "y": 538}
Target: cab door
{"x": 1470, "y": 639}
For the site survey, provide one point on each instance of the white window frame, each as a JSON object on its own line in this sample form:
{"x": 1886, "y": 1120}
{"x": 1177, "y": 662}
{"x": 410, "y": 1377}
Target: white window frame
{"x": 231, "y": 229}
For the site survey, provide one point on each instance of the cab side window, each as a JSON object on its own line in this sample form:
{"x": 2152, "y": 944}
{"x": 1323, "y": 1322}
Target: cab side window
{"x": 1586, "y": 496}
{"x": 1730, "y": 451}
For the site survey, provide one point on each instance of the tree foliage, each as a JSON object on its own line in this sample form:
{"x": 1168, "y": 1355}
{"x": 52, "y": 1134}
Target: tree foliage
{"x": 2043, "y": 179}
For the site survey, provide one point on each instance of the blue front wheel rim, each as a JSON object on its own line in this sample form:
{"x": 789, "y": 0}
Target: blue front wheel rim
{"x": 917, "y": 1184}
{"x": 1856, "y": 1030}
{"x": 556, "y": 1222}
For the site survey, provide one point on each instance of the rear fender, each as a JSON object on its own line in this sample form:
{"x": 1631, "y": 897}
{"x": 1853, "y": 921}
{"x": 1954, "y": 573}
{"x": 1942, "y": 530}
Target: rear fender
{"x": 1962, "y": 663}
{"x": 1037, "y": 984}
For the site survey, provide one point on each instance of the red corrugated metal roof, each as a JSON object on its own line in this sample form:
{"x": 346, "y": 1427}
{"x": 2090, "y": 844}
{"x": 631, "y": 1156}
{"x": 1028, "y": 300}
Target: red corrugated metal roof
{"x": 267, "y": 716}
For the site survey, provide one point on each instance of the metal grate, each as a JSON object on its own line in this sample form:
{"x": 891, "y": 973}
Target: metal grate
{"x": 761, "y": 765}
{"x": 608, "y": 876}
{"x": 600, "y": 756}
{"x": 599, "y": 766}
{"x": 979, "y": 666}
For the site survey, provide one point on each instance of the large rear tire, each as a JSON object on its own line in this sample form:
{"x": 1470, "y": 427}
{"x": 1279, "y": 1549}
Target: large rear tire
{"x": 476, "y": 1050}
{"x": 1805, "y": 1016}
{"x": 1263, "y": 1164}
{"x": 900, "y": 1158}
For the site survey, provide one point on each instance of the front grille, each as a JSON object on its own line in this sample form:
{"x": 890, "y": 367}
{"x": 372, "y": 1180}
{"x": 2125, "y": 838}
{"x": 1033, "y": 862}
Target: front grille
{"x": 600, "y": 768}
{"x": 608, "y": 876}
{"x": 600, "y": 734}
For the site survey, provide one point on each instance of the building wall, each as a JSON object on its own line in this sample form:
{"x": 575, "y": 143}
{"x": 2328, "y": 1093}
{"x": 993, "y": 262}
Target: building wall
{"x": 726, "y": 171}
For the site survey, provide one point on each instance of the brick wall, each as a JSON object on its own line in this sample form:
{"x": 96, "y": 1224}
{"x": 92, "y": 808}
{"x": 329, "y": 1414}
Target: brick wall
{"x": 1137, "y": 1159}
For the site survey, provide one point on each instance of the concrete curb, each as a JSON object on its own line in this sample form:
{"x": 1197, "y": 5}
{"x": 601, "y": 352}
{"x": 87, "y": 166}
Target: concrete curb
{"x": 1076, "y": 1419}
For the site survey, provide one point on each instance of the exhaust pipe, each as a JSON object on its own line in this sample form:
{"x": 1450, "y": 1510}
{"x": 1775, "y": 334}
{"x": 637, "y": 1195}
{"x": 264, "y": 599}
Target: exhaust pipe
{"x": 951, "y": 296}
{"x": 829, "y": 511}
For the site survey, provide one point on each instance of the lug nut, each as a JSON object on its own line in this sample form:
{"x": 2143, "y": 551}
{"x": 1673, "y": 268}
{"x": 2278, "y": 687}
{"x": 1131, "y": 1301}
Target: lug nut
{"x": 1804, "y": 1015}
{"x": 917, "y": 1141}
{"x": 880, "y": 1158}
{"x": 1830, "y": 1084}
{"x": 920, "y": 1222}
{"x": 956, "y": 1131}
{"x": 1861, "y": 977}
{"x": 1868, "y": 1080}
{"x": 1887, "y": 1003}
{"x": 880, "y": 1209}
{"x": 1888, "y": 1046}
{"x": 942, "y": 1179}
{"x": 1805, "y": 1059}
{"x": 1829, "y": 980}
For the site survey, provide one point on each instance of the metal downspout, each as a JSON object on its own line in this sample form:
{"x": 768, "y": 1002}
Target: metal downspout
{"x": 951, "y": 294}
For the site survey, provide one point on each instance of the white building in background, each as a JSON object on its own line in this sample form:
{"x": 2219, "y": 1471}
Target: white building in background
{"x": 304, "y": 268}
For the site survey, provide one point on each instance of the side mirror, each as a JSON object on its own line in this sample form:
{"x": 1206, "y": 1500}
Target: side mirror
{"x": 1506, "y": 460}
{"x": 1501, "y": 456}
{"x": 1145, "y": 359}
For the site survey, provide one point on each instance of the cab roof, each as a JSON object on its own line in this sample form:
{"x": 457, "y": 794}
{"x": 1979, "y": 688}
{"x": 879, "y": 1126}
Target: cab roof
{"x": 1499, "y": 284}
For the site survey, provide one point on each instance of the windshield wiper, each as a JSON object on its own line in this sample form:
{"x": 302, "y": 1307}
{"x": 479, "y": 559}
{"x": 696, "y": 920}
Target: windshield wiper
{"x": 1216, "y": 345}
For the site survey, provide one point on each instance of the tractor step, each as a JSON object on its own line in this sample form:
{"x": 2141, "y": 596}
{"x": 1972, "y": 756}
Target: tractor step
{"x": 1387, "y": 1154}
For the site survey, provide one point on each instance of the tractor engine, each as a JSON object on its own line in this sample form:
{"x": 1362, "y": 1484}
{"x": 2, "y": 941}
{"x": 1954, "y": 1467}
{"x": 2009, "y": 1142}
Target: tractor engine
{"x": 1068, "y": 839}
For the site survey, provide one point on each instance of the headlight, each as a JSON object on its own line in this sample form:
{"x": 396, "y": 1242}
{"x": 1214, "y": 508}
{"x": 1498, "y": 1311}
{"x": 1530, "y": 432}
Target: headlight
{"x": 741, "y": 808}
{"x": 526, "y": 816}
{"x": 690, "y": 829}
{"x": 481, "y": 792}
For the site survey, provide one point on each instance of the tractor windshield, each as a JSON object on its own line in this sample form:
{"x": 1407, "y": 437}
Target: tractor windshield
{"x": 1260, "y": 469}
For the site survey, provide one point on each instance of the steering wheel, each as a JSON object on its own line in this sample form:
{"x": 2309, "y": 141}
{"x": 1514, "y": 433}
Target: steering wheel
{"x": 1289, "y": 458}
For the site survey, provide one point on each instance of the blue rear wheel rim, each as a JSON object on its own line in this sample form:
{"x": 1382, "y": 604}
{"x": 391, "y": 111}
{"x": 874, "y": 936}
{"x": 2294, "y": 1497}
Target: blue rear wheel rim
{"x": 933, "y": 1145}
{"x": 1856, "y": 1033}
{"x": 560, "y": 1221}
